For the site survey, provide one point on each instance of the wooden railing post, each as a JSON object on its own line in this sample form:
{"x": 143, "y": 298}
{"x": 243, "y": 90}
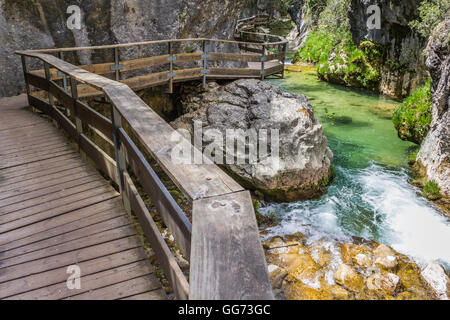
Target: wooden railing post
{"x": 171, "y": 73}
{"x": 116, "y": 64}
{"x": 64, "y": 76}
{"x": 78, "y": 123}
{"x": 205, "y": 57}
{"x": 25, "y": 71}
{"x": 263, "y": 60}
{"x": 116, "y": 120}
{"x": 284, "y": 59}
{"x": 48, "y": 76}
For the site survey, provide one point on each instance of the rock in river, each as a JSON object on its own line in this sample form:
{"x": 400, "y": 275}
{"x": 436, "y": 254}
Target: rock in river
{"x": 250, "y": 108}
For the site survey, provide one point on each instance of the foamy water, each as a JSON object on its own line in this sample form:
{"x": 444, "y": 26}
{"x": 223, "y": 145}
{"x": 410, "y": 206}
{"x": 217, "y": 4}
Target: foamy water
{"x": 377, "y": 204}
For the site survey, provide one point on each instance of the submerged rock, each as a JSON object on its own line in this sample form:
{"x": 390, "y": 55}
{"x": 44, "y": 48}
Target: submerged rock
{"x": 433, "y": 159}
{"x": 328, "y": 270}
{"x": 250, "y": 107}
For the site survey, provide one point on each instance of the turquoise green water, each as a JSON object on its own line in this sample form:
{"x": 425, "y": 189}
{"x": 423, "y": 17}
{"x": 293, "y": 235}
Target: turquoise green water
{"x": 350, "y": 122}
{"x": 370, "y": 196}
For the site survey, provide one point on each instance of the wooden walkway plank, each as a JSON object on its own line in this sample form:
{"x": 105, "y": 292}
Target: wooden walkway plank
{"x": 29, "y": 182}
{"x": 85, "y": 199}
{"x": 91, "y": 229}
{"x": 44, "y": 188}
{"x": 55, "y": 276}
{"x": 94, "y": 239}
{"x": 91, "y": 282}
{"x": 42, "y": 168}
{"x": 121, "y": 290}
{"x": 68, "y": 258}
{"x": 51, "y": 201}
{"x": 40, "y": 230}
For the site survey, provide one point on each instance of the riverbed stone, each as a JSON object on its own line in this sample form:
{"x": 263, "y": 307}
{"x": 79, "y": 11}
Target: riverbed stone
{"x": 385, "y": 257}
{"x": 437, "y": 280}
{"x": 347, "y": 277}
{"x": 277, "y": 275}
{"x": 311, "y": 277}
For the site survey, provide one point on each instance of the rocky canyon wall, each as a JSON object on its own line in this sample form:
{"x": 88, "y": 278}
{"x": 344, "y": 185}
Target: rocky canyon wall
{"x": 35, "y": 24}
{"x": 434, "y": 153}
{"x": 404, "y": 67}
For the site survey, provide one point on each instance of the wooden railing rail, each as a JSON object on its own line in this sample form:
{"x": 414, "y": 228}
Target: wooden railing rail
{"x": 222, "y": 244}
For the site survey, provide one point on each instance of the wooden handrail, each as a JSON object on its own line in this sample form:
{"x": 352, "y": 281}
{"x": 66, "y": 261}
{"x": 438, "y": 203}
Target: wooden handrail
{"x": 226, "y": 256}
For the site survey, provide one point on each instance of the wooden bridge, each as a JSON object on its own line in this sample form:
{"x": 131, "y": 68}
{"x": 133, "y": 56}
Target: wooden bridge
{"x": 57, "y": 211}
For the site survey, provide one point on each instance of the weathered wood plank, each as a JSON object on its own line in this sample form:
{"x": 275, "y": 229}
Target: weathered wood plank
{"x": 227, "y": 259}
{"x": 51, "y": 187}
{"x": 90, "y": 282}
{"x": 84, "y": 199}
{"x": 234, "y": 71}
{"x": 68, "y": 258}
{"x": 85, "y": 242}
{"x": 244, "y": 57}
{"x": 126, "y": 254}
{"x": 121, "y": 290}
{"x": 52, "y": 225}
{"x": 173, "y": 272}
{"x": 93, "y": 228}
{"x": 173, "y": 216}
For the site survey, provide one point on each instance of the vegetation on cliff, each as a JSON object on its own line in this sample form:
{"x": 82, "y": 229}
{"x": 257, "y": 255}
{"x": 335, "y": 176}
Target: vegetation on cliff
{"x": 413, "y": 118}
{"x": 431, "y": 13}
{"x": 338, "y": 58}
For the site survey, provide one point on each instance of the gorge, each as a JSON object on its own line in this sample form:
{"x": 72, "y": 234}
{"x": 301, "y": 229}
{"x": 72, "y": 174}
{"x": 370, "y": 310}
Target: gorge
{"x": 364, "y": 177}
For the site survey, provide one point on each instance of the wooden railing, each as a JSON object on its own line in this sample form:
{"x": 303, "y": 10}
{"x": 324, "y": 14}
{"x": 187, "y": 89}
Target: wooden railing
{"x": 222, "y": 243}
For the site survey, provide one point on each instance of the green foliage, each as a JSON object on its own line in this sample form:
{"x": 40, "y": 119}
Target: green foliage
{"x": 431, "y": 13}
{"x": 413, "y": 118}
{"x": 182, "y": 15}
{"x": 331, "y": 47}
{"x": 431, "y": 191}
{"x": 350, "y": 65}
{"x": 189, "y": 49}
{"x": 413, "y": 157}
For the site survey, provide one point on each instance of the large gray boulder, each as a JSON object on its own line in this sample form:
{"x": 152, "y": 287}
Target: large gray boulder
{"x": 303, "y": 166}
{"x": 434, "y": 154}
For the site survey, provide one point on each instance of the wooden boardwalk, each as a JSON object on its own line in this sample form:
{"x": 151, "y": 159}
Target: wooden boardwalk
{"x": 57, "y": 211}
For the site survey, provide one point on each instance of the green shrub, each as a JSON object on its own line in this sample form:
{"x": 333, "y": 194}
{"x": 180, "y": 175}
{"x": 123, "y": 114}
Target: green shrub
{"x": 413, "y": 157}
{"x": 413, "y": 118}
{"x": 431, "y": 191}
{"x": 431, "y": 13}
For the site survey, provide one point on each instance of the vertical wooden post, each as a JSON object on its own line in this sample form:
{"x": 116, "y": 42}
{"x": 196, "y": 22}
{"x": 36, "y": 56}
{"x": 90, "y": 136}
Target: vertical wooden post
{"x": 48, "y": 76}
{"x": 116, "y": 119}
{"x": 25, "y": 71}
{"x": 284, "y": 59}
{"x": 116, "y": 62}
{"x": 78, "y": 123}
{"x": 263, "y": 59}
{"x": 171, "y": 67}
{"x": 61, "y": 57}
{"x": 205, "y": 63}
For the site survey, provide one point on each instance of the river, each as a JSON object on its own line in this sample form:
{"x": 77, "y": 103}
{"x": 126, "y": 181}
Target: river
{"x": 370, "y": 196}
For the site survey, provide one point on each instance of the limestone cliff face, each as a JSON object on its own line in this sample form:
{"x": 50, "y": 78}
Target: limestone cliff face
{"x": 404, "y": 67}
{"x": 33, "y": 24}
{"x": 434, "y": 153}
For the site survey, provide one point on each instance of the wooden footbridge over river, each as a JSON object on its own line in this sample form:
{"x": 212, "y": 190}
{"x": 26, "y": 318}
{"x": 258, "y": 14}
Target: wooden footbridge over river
{"x": 65, "y": 200}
